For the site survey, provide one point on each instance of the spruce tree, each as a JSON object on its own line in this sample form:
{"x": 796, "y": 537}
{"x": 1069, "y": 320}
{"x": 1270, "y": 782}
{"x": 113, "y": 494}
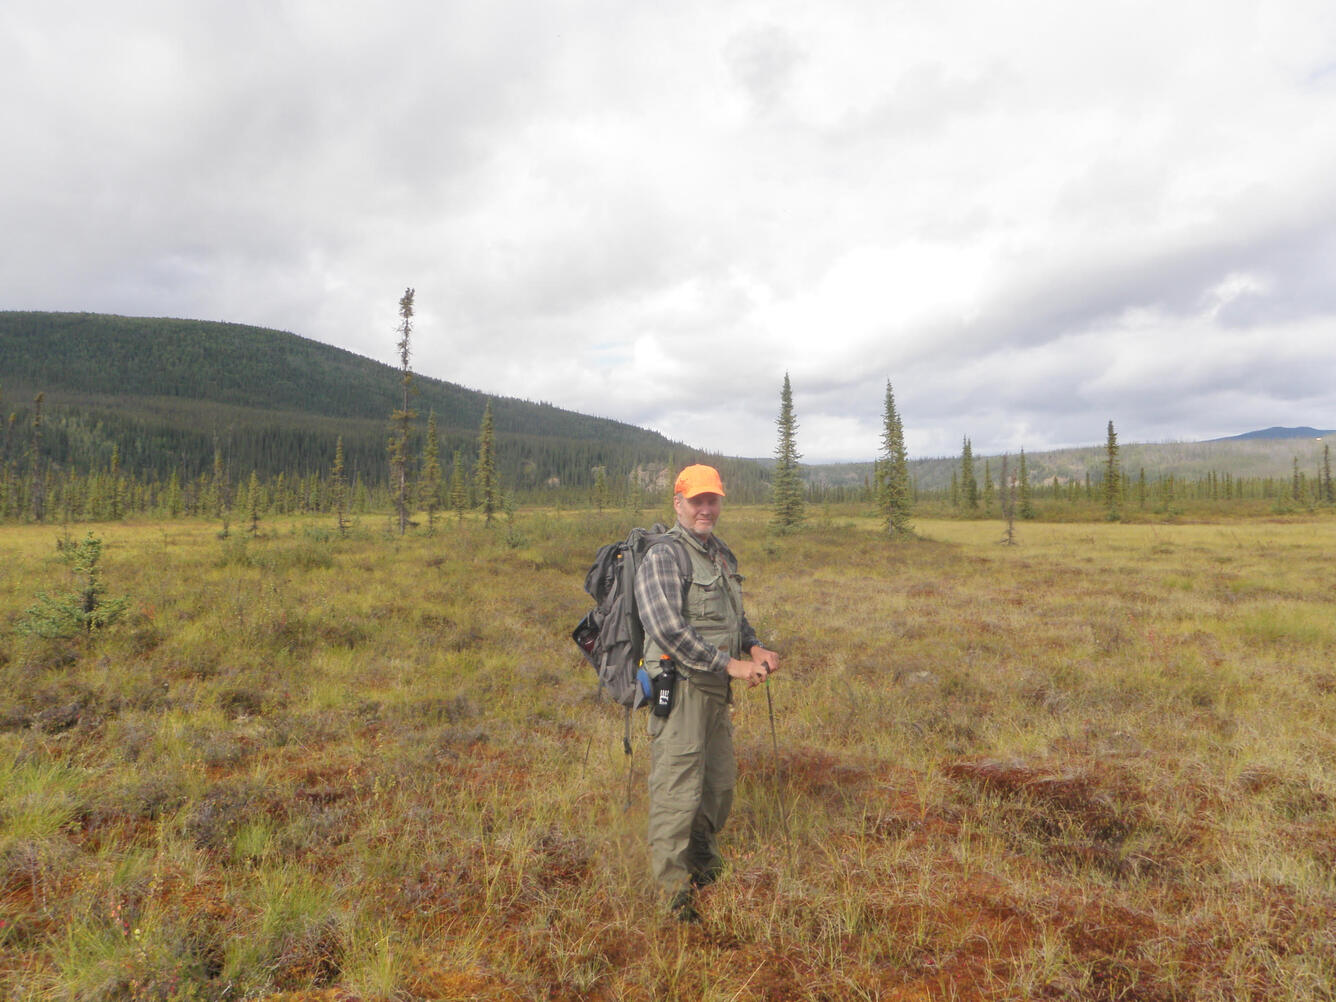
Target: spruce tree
{"x": 459, "y": 490}
{"x": 988, "y": 490}
{"x": 429, "y": 483}
{"x": 1008, "y": 503}
{"x": 489, "y": 488}
{"x": 402, "y": 418}
{"x": 117, "y": 489}
{"x": 339, "y": 489}
{"x": 253, "y": 502}
{"x": 1112, "y": 477}
{"x": 218, "y": 500}
{"x": 8, "y": 488}
{"x": 1026, "y": 498}
{"x": 600, "y": 491}
{"x": 969, "y": 484}
{"x": 37, "y": 469}
{"x": 788, "y": 486}
{"x": 174, "y": 495}
{"x": 894, "y": 494}
{"x": 1328, "y": 491}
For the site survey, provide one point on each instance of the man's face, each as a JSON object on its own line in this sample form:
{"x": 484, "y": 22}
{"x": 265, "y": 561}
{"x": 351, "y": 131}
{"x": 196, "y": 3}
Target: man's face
{"x": 698, "y": 514}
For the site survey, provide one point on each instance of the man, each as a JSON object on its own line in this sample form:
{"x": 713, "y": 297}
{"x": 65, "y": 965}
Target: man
{"x": 695, "y": 629}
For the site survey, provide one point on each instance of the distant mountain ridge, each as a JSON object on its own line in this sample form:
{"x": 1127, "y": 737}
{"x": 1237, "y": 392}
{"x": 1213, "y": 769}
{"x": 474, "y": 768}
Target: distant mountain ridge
{"x": 1276, "y": 432}
{"x": 1254, "y": 454}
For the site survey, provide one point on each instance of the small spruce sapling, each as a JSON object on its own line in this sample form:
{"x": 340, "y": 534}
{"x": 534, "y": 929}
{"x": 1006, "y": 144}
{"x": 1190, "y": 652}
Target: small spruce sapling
{"x": 84, "y": 611}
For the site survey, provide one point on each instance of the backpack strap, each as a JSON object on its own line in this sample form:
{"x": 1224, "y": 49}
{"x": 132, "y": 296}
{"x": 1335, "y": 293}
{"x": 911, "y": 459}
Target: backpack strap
{"x": 665, "y": 536}
{"x": 683, "y": 564}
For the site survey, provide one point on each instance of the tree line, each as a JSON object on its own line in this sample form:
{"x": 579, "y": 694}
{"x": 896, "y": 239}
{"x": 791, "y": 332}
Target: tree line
{"x": 1008, "y": 491}
{"x": 1116, "y": 493}
{"x": 169, "y": 456}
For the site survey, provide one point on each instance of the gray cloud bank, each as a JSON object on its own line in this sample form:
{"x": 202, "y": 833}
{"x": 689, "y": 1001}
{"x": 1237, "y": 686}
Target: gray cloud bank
{"x": 1031, "y": 219}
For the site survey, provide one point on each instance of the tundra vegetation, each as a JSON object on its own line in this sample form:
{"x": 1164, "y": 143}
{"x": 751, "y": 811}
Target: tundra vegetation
{"x": 327, "y": 761}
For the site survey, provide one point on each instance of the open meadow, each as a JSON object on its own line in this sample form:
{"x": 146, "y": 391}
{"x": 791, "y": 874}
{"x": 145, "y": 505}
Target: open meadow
{"x": 1098, "y": 764}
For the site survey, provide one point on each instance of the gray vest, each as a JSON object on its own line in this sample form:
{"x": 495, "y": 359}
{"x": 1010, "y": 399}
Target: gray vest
{"x": 713, "y": 603}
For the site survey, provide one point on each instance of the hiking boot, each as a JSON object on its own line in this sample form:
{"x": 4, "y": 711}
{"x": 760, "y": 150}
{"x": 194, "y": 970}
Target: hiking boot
{"x": 706, "y": 877}
{"x": 683, "y": 907}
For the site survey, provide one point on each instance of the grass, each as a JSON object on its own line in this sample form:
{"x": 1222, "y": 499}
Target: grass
{"x": 1095, "y": 765}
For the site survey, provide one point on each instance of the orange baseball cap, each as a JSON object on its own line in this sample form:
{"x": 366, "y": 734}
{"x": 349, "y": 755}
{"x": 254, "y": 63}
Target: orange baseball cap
{"x": 698, "y": 480}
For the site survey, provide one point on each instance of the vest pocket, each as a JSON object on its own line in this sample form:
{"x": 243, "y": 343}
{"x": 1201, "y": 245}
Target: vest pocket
{"x": 708, "y": 598}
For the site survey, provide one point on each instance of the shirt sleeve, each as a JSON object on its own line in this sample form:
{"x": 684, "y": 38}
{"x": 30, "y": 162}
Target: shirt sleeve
{"x": 749, "y": 638}
{"x": 659, "y": 594}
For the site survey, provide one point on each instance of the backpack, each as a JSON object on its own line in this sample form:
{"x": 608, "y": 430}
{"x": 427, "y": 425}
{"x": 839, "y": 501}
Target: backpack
{"x": 610, "y": 636}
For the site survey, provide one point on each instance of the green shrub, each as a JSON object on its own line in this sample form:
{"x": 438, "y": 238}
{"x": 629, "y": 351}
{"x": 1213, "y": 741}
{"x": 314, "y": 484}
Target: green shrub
{"x": 80, "y": 612}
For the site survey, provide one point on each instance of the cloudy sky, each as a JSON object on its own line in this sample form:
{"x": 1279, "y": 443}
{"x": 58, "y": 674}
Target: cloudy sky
{"x": 1030, "y": 217}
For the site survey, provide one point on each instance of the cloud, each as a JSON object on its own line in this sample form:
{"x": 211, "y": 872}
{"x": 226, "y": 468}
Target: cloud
{"x": 763, "y": 61}
{"x": 1031, "y": 220}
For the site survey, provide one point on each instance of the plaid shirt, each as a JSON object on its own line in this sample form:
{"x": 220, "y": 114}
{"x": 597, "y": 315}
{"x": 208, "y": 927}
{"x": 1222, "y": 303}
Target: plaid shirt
{"x": 660, "y": 596}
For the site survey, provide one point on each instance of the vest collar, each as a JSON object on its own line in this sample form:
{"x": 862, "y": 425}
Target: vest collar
{"x": 709, "y": 547}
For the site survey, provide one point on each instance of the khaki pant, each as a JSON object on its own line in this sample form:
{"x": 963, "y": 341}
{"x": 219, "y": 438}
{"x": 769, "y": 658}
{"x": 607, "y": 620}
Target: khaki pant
{"x": 691, "y": 778}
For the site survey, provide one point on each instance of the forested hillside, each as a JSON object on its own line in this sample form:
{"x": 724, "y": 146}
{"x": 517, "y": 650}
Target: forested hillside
{"x": 165, "y": 395}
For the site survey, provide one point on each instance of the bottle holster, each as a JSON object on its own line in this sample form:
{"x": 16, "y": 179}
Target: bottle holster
{"x": 664, "y": 685}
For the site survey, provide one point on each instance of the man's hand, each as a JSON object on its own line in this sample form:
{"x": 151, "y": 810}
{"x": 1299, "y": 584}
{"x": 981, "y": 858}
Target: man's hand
{"x": 765, "y": 657}
{"x": 762, "y": 665}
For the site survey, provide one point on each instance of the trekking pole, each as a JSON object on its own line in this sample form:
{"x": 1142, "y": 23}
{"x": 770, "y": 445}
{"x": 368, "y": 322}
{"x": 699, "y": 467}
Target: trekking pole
{"x": 774, "y": 741}
{"x": 774, "y": 744}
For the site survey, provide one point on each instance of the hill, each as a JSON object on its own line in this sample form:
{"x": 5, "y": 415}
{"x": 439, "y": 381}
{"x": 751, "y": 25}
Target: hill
{"x": 1283, "y": 433}
{"x": 167, "y": 392}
